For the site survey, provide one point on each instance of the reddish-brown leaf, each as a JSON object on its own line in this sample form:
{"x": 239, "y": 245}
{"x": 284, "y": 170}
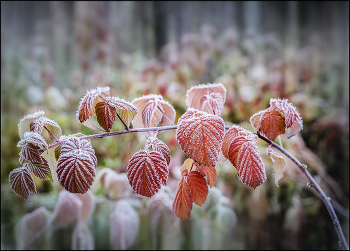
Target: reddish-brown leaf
{"x": 31, "y": 153}
{"x": 22, "y": 182}
{"x": 232, "y": 133}
{"x": 182, "y": 204}
{"x": 40, "y": 170}
{"x": 159, "y": 146}
{"x": 198, "y": 187}
{"x": 233, "y": 151}
{"x": 106, "y": 115}
{"x": 251, "y": 170}
{"x": 74, "y": 144}
{"x": 200, "y": 136}
{"x": 87, "y": 104}
{"x": 209, "y": 172}
{"x": 272, "y": 123}
{"x": 76, "y": 171}
{"x": 147, "y": 171}
{"x": 292, "y": 116}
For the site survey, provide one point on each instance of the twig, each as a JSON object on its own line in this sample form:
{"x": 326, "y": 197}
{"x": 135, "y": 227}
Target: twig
{"x": 326, "y": 200}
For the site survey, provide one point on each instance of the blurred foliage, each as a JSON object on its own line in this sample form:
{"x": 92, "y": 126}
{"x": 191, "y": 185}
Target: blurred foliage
{"x": 253, "y": 69}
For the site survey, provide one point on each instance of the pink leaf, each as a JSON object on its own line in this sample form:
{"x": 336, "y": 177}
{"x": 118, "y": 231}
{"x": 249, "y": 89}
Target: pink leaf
{"x": 67, "y": 209}
{"x": 212, "y": 103}
{"x": 88, "y": 205}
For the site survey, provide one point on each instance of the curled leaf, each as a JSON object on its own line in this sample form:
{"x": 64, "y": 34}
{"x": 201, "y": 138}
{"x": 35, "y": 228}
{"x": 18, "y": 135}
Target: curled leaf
{"x": 34, "y": 138}
{"x": 209, "y": 172}
{"x": 212, "y": 103}
{"x": 31, "y": 153}
{"x": 279, "y": 164}
{"x": 152, "y": 110}
{"x": 147, "y": 171}
{"x": 200, "y": 136}
{"x": 106, "y": 115}
{"x": 24, "y": 124}
{"x": 126, "y": 110}
{"x": 22, "y": 182}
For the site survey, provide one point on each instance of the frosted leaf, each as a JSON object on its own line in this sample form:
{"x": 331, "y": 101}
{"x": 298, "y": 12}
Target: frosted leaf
{"x": 209, "y": 172}
{"x": 182, "y": 204}
{"x": 31, "y": 153}
{"x": 212, "y": 104}
{"x": 38, "y": 125}
{"x": 124, "y": 225}
{"x": 106, "y": 115}
{"x": 67, "y": 209}
{"x": 200, "y": 136}
{"x": 279, "y": 164}
{"x": 234, "y": 149}
{"x": 292, "y": 116}
{"x": 272, "y": 123}
{"x": 76, "y": 171}
{"x": 251, "y": 170}
{"x": 232, "y": 133}
{"x": 74, "y": 144}
{"x": 198, "y": 187}
{"x": 152, "y": 113}
{"x": 196, "y": 93}
{"x": 22, "y": 182}
{"x": 34, "y": 138}
{"x": 126, "y": 110}
{"x": 24, "y": 124}
{"x": 159, "y": 146}
{"x": 82, "y": 239}
{"x": 88, "y": 205}
{"x": 87, "y": 104}
{"x": 147, "y": 171}
{"x": 255, "y": 120}
{"x": 40, "y": 170}
{"x": 49, "y": 156}
{"x": 29, "y": 226}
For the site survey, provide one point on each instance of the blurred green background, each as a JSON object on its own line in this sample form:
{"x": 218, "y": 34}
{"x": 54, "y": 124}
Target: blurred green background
{"x": 53, "y": 52}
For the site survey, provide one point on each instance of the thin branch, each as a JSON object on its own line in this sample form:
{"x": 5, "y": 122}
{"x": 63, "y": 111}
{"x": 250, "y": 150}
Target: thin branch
{"x": 51, "y": 134}
{"x": 126, "y": 127}
{"x": 326, "y": 200}
{"x": 171, "y": 123}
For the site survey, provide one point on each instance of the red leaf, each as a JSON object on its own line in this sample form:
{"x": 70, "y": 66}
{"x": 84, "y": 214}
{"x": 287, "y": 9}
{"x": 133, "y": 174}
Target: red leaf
{"x": 147, "y": 171}
{"x": 76, "y": 171}
{"x": 244, "y": 155}
{"x": 200, "y": 136}
{"x": 234, "y": 149}
{"x": 106, "y": 115}
{"x": 72, "y": 144}
{"x": 159, "y": 146}
{"x": 272, "y": 123}
{"x": 21, "y": 182}
{"x": 292, "y": 116}
{"x": 209, "y": 172}
{"x": 182, "y": 204}
{"x": 251, "y": 170}
{"x": 87, "y": 104}
{"x": 198, "y": 187}
{"x": 31, "y": 153}
{"x": 40, "y": 170}
{"x": 232, "y": 133}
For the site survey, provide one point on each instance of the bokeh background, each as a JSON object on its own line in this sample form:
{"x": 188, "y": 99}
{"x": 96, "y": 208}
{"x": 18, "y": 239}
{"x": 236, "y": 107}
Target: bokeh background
{"x": 53, "y": 52}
